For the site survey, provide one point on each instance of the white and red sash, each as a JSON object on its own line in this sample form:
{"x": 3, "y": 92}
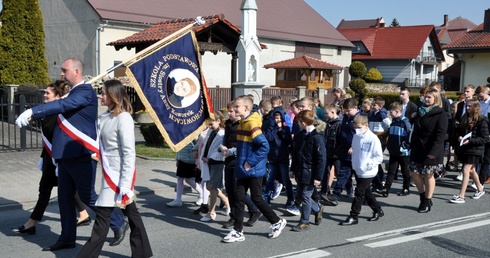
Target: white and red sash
{"x": 48, "y": 147}
{"x": 80, "y": 137}
{"x": 112, "y": 179}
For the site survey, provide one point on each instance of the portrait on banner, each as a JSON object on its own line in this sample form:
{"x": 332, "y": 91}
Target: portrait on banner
{"x": 170, "y": 85}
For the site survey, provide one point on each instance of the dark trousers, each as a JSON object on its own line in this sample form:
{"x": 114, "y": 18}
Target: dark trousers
{"x": 280, "y": 169}
{"x": 46, "y": 184}
{"x": 255, "y": 186}
{"x": 48, "y": 181}
{"x": 140, "y": 245}
{"x": 326, "y": 176}
{"x": 485, "y": 166}
{"x": 363, "y": 191}
{"x": 308, "y": 204}
{"x": 344, "y": 178}
{"x": 77, "y": 174}
{"x": 379, "y": 178}
{"x": 394, "y": 162}
{"x": 230, "y": 186}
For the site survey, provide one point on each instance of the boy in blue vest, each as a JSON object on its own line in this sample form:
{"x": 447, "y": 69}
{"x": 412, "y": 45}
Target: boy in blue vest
{"x": 398, "y": 149}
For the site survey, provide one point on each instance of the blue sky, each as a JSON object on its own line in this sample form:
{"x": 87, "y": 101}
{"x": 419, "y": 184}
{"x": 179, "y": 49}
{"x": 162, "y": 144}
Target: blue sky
{"x": 412, "y": 12}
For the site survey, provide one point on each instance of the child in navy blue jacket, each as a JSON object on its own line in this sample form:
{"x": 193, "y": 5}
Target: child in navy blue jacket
{"x": 308, "y": 167}
{"x": 279, "y": 137}
{"x": 398, "y": 148}
{"x": 333, "y": 163}
{"x": 343, "y": 148}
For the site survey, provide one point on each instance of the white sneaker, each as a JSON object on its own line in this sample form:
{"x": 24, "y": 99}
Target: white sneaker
{"x": 460, "y": 177}
{"x": 277, "y": 191}
{"x": 276, "y": 229}
{"x": 208, "y": 217}
{"x": 234, "y": 236}
{"x": 457, "y": 199}
{"x": 474, "y": 186}
{"x": 477, "y": 195}
{"x": 199, "y": 201}
{"x": 174, "y": 203}
{"x": 293, "y": 210}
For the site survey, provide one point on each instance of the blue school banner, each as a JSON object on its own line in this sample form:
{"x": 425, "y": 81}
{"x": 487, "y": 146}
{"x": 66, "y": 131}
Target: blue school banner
{"x": 170, "y": 84}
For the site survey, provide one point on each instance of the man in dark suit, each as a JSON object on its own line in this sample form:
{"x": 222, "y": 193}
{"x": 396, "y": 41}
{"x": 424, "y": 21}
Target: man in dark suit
{"x": 73, "y": 146}
{"x": 469, "y": 92}
{"x": 409, "y": 108}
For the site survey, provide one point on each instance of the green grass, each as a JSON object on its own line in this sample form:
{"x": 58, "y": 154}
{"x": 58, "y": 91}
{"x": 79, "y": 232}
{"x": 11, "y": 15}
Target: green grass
{"x": 154, "y": 151}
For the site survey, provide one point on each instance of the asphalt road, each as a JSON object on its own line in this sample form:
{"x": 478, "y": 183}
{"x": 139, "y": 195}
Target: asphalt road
{"x": 449, "y": 230}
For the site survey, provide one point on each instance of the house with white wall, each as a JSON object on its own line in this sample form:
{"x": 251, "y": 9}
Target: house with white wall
{"x": 84, "y": 28}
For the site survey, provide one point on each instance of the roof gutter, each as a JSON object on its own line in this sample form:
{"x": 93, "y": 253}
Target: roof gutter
{"x": 97, "y": 46}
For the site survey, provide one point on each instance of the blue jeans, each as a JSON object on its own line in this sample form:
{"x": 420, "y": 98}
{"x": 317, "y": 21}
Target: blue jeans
{"x": 307, "y": 203}
{"x": 283, "y": 169}
{"x": 344, "y": 179}
{"x": 330, "y": 163}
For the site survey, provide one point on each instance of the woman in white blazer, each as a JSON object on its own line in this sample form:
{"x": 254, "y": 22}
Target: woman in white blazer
{"x": 117, "y": 146}
{"x": 213, "y": 165}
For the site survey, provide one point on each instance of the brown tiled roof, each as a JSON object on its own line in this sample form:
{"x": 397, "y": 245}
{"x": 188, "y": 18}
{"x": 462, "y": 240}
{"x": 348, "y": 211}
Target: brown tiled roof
{"x": 404, "y": 42}
{"x": 292, "y": 20}
{"x": 165, "y": 28}
{"x": 460, "y": 23}
{"x": 303, "y": 62}
{"x": 455, "y": 28}
{"x": 473, "y": 39}
{"x": 357, "y": 24}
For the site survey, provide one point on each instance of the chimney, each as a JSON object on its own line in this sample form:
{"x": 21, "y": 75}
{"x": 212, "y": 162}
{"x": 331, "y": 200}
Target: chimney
{"x": 486, "y": 21}
{"x": 446, "y": 19}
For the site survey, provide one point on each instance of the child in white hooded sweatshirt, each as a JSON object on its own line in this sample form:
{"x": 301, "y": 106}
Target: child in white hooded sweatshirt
{"x": 366, "y": 156}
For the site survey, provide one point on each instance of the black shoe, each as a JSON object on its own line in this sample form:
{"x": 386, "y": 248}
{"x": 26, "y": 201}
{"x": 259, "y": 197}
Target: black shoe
{"x": 319, "y": 215}
{"x": 385, "y": 192}
{"x": 404, "y": 192}
{"x": 376, "y": 216}
{"x": 203, "y": 209}
{"x": 329, "y": 200}
{"x": 229, "y": 223}
{"x": 59, "y": 246}
{"x": 425, "y": 205}
{"x": 84, "y": 222}
{"x": 254, "y": 217}
{"x": 119, "y": 234}
{"x": 349, "y": 221}
{"x": 23, "y": 230}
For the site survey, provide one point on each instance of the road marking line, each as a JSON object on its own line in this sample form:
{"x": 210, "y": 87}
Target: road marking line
{"x": 307, "y": 253}
{"x": 405, "y": 239}
{"x": 429, "y": 225}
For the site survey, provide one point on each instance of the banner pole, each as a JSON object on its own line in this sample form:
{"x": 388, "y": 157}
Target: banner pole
{"x": 149, "y": 50}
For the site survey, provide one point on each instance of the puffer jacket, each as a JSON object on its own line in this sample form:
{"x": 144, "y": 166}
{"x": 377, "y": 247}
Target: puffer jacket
{"x": 279, "y": 140}
{"x": 252, "y": 146}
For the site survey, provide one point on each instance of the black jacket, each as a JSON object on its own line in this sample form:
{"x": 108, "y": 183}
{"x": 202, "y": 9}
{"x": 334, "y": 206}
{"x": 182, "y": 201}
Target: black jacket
{"x": 308, "y": 157}
{"x": 411, "y": 108}
{"x": 429, "y": 133}
{"x": 230, "y": 141}
{"x": 331, "y": 132}
{"x": 479, "y": 137}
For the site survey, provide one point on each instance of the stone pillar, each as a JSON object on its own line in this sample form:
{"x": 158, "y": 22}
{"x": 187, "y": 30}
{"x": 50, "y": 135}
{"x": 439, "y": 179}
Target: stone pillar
{"x": 301, "y": 91}
{"x": 241, "y": 88}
